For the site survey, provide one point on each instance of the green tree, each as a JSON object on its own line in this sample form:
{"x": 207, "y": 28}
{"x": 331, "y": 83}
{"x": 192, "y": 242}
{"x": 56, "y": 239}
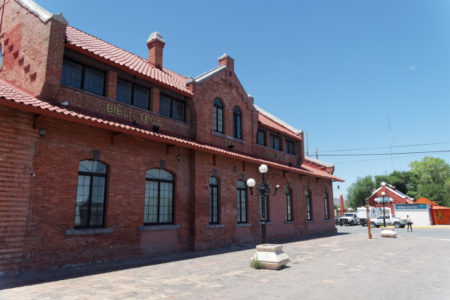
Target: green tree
{"x": 358, "y": 191}
{"x": 432, "y": 176}
{"x": 404, "y": 181}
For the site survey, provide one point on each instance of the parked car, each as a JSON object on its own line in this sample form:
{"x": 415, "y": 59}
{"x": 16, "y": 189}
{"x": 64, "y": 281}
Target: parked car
{"x": 349, "y": 219}
{"x": 390, "y": 220}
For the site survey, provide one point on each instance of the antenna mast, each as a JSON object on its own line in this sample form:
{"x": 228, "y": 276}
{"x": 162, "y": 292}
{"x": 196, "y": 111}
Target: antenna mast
{"x": 390, "y": 141}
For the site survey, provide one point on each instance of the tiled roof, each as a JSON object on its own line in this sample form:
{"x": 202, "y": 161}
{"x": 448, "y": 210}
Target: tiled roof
{"x": 318, "y": 164}
{"x": 277, "y": 120}
{"x": 13, "y": 97}
{"x": 81, "y": 40}
{"x": 267, "y": 122}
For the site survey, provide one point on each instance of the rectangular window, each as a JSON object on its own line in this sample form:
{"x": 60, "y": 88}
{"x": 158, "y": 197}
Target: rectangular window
{"x": 72, "y": 74}
{"x": 290, "y": 147}
{"x": 124, "y": 91}
{"x": 83, "y": 77}
{"x": 261, "y": 137}
{"x": 164, "y": 105}
{"x": 288, "y": 204}
{"x": 241, "y": 202}
{"x": 326, "y": 206}
{"x": 213, "y": 201}
{"x": 158, "y": 202}
{"x": 159, "y": 197}
{"x": 309, "y": 216}
{"x": 275, "y": 142}
{"x": 133, "y": 94}
{"x": 172, "y": 108}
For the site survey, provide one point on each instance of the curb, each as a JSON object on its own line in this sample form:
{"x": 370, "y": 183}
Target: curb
{"x": 422, "y": 227}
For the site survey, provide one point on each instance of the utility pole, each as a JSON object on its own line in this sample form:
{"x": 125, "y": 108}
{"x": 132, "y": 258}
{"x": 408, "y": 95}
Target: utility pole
{"x": 368, "y": 222}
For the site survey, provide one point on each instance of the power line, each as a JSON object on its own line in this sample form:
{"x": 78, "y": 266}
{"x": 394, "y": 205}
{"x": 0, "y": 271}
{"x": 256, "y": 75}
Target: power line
{"x": 365, "y": 160}
{"x": 374, "y": 148}
{"x": 383, "y": 154}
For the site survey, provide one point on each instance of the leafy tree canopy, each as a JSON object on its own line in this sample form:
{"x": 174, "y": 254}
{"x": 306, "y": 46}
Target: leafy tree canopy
{"x": 429, "y": 178}
{"x": 359, "y": 191}
{"x": 432, "y": 178}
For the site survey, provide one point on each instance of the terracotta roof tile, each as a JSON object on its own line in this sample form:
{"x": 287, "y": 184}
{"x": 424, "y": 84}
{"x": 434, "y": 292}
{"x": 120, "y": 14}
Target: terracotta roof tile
{"x": 14, "y": 97}
{"x": 114, "y": 54}
{"x": 266, "y": 122}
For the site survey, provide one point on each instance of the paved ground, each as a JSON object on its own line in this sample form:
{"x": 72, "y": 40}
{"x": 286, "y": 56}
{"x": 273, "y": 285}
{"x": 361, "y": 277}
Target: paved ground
{"x": 348, "y": 265}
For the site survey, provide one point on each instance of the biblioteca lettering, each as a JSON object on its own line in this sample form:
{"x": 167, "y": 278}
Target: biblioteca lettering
{"x": 132, "y": 115}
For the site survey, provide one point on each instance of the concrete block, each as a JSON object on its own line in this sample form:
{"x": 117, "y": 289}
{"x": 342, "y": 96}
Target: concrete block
{"x": 271, "y": 256}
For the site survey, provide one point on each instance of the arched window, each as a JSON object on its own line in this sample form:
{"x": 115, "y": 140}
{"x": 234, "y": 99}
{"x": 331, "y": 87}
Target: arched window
{"x": 218, "y": 116}
{"x": 213, "y": 200}
{"x": 91, "y": 190}
{"x": 237, "y": 123}
{"x": 309, "y": 215}
{"x": 288, "y": 193}
{"x": 241, "y": 202}
{"x": 158, "y": 197}
{"x": 326, "y": 205}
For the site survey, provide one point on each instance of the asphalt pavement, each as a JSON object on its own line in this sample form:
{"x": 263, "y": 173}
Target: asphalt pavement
{"x": 344, "y": 266}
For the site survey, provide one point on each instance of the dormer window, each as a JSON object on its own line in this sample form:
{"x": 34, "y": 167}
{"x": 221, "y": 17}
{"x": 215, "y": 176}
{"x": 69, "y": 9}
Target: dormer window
{"x": 275, "y": 142}
{"x": 237, "y": 123}
{"x": 290, "y": 147}
{"x": 218, "y": 116}
{"x": 172, "y": 108}
{"x": 83, "y": 77}
{"x": 261, "y": 137}
{"x": 133, "y": 94}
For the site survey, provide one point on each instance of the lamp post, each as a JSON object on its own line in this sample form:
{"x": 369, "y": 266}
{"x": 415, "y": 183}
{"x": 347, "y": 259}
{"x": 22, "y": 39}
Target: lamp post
{"x": 264, "y": 192}
{"x": 383, "y": 195}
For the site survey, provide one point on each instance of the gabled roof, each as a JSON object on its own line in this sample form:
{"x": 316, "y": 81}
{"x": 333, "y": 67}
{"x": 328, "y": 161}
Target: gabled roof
{"x": 205, "y": 75}
{"x": 11, "y": 96}
{"x": 43, "y": 14}
{"x": 79, "y": 40}
{"x": 397, "y": 192}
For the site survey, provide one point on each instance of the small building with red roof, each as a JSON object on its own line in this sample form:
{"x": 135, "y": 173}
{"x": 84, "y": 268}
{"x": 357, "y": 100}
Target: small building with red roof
{"x": 107, "y": 155}
{"x": 393, "y": 195}
{"x": 440, "y": 214}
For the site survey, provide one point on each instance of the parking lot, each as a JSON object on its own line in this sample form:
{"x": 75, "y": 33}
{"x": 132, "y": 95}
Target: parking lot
{"x": 347, "y": 265}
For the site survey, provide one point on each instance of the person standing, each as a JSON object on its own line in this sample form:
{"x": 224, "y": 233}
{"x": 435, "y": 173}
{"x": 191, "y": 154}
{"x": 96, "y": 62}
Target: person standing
{"x": 409, "y": 223}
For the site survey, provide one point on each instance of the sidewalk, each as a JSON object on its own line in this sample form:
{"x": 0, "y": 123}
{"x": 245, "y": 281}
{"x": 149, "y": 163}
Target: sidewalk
{"x": 342, "y": 266}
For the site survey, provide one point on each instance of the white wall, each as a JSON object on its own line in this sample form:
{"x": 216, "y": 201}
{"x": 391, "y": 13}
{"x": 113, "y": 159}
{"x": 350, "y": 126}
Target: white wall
{"x": 421, "y": 217}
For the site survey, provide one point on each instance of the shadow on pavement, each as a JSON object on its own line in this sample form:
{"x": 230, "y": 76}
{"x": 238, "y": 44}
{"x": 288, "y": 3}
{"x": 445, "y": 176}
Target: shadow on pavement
{"x": 54, "y": 274}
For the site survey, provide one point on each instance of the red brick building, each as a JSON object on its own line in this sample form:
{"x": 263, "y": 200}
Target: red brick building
{"x": 395, "y": 197}
{"x": 106, "y": 155}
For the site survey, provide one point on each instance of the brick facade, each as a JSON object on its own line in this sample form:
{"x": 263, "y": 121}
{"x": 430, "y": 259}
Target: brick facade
{"x": 39, "y": 172}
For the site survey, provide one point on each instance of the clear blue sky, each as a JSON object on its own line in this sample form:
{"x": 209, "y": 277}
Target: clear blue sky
{"x": 340, "y": 70}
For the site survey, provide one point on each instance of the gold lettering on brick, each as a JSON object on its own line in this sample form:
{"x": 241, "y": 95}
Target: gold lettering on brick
{"x": 132, "y": 115}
